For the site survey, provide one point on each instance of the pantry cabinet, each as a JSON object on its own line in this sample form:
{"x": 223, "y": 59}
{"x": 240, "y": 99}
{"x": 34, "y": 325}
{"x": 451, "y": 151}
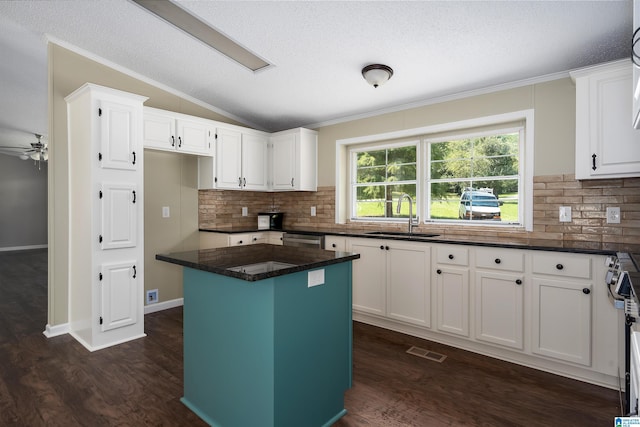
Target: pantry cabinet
{"x": 169, "y": 131}
{"x": 294, "y": 160}
{"x": 607, "y": 145}
{"x": 106, "y": 253}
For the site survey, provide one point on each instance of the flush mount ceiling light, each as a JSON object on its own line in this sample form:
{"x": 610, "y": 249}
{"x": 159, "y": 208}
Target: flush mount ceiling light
{"x": 192, "y": 25}
{"x": 377, "y": 74}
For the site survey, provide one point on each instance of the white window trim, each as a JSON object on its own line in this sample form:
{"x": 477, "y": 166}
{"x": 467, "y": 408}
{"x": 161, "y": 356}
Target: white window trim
{"x": 342, "y": 206}
{"x": 352, "y": 176}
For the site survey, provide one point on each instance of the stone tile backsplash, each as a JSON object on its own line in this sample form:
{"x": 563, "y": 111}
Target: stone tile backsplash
{"x": 588, "y": 201}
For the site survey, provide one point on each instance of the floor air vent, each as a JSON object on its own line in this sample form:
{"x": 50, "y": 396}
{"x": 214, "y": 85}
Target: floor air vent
{"x": 426, "y": 354}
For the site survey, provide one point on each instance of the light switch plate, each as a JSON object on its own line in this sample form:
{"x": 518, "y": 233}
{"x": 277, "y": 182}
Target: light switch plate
{"x": 166, "y": 213}
{"x": 313, "y": 211}
{"x": 245, "y": 211}
{"x": 565, "y": 213}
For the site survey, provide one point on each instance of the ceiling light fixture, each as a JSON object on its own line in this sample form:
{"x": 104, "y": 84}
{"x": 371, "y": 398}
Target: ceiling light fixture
{"x": 194, "y": 26}
{"x": 377, "y": 74}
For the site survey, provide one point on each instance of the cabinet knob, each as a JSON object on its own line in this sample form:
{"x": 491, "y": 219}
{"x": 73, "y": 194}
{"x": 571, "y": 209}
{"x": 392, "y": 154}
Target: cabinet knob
{"x": 381, "y": 247}
{"x": 518, "y": 282}
{"x": 586, "y": 291}
{"x": 451, "y": 256}
{"x": 255, "y": 238}
{"x": 439, "y": 271}
{"x": 239, "y": 242}
{"x": 559, "y": 266}
{"x": 386, "y": 248}
{"x": 333, "y": 245}
{"x": 498, "y": 261}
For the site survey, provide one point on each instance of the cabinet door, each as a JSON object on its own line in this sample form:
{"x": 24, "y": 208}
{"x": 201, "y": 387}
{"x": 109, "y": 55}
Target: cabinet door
{"x": 499, "y": 314}
{"x": 603, "y": 108}
{"x": 369, "y": 276}
{"x": 561, "y": 325}
{"x": 453, "y": 300}
{"x": 229, "y": 159}
{"x": 118, "y": 136}
{"x": 118, "y": 215}
{"x": 159, "y": 131}
{"x": 408, "y": 284}
{"x": 254, "y": 162}
{"x": 284, "y": 164}
{"x": 119, "y": 295}
{"x": 193, "y": 137}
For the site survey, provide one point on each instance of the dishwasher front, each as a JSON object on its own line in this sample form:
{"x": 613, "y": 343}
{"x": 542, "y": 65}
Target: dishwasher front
{"x": 303, "y": 240}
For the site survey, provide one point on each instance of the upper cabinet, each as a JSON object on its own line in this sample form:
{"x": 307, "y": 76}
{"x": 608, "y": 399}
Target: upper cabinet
{"x": 294, "y": 160}
{"x": 607, "y": 145}
{"x": 165, "y": 130}
{"x": 241, "y": 161}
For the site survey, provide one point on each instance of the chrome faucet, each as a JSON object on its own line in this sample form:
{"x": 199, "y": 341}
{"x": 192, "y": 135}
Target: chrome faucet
{"x": 411, "y": 223}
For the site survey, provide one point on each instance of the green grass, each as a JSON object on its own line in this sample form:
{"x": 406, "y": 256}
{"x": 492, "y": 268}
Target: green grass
{"x": 447, "y": 209}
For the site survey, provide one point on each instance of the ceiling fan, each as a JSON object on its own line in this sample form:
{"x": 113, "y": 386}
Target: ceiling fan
{"x": 38, "y": 151}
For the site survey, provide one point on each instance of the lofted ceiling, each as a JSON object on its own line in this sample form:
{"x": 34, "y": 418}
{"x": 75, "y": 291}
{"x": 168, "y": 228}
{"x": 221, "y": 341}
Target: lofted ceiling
{"x": 317, "y": 48}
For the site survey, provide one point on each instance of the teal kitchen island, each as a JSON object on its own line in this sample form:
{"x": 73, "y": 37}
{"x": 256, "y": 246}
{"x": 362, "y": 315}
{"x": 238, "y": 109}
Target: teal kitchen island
{"x": 267, "y": 334}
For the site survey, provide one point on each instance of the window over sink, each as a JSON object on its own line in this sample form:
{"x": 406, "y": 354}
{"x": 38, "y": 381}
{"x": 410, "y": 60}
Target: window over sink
{"x": 477, "y": 171}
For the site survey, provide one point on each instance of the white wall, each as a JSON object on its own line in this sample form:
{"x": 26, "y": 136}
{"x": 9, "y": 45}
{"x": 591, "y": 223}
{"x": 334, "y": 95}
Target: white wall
{"x": 23, "y": 203}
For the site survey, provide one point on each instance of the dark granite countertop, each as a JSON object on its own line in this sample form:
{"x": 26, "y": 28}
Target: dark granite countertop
{"x": 257, "y": 262}
{"x": 455, "y": 240}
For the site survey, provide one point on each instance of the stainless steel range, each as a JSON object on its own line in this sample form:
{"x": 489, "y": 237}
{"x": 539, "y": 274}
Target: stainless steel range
{"x": 622, "y": 274}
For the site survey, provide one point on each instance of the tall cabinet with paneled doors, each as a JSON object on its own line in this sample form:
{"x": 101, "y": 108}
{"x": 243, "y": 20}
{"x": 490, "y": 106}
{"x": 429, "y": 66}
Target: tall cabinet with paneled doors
{"x": 106, "y": 253}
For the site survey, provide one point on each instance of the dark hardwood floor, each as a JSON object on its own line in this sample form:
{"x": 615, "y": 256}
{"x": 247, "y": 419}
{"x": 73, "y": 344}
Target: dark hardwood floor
{"x": 57, "y": 382}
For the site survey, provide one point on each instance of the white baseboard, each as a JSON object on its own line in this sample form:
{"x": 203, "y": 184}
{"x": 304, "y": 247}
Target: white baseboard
{"x": 164, "y": 305}
{"x": 56, "y": 330}
{"x": 22, "y": 248}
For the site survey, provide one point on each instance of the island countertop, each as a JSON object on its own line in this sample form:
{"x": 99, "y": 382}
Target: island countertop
{"x": 256, "y": 262}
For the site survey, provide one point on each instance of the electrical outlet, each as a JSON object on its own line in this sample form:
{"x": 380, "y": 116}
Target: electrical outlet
{"x": 166, "y": 213}
{"x": 613, "y": 215}
{"x": 313, "y": 211}
{"x": 245, "y": 211}
{"x": 152, "y": 296}
{"x": 565, "y": 213}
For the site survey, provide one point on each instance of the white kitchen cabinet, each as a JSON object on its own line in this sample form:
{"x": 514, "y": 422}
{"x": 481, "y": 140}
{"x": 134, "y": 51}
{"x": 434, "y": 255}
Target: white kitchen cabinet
{"x": 241, "y": 160}
{"x": 391, "y": 279}
{"x": 562, "y": 306}
{"x": 106, "y": 253}
{"x": 274, "y": 237}
{"x": 335, "y": 243}
{"x": 607, "y": 145}
{"x": 169, "y": 131}
{"x": 369, "y": 276}
{"x": 242, "y": 239}
{"x": 452, "y": 290}
{"x": 408, "y": 284}
{"x": 294, "y": 160}
{"x": 499, "y": 296}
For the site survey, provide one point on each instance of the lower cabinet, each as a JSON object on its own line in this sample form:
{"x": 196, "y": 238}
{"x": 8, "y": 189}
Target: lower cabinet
{"x": 561, "y": 326}
{"x": 499, "y": 309}
{"x": 391, "y": 279}
{"x": 543, "y": 309}
{"x": 335, "y": 243}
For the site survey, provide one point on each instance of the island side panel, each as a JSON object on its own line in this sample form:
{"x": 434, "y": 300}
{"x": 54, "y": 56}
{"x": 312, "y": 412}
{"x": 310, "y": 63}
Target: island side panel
{"x": 313, "y": 351}
{"x": 228, "y": 349}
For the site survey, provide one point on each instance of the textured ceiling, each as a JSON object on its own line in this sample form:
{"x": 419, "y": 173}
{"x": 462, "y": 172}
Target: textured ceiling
{"x": 436, "y": 48}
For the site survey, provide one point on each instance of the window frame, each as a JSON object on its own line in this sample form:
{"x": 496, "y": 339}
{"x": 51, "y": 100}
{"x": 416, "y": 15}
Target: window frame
{"x": 465, "y": 134}
{"x": 343, "y": 195}
{"x": 353, "y": 185}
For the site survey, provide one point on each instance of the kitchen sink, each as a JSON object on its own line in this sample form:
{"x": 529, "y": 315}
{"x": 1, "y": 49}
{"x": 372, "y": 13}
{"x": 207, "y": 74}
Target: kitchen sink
{"x": 400, "y": 234}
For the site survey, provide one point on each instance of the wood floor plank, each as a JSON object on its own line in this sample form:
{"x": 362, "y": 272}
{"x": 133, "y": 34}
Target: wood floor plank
{"x": 57, "y": 382}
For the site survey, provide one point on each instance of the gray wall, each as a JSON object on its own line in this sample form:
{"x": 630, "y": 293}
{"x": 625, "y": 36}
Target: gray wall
{"x": 23, "y": 203}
